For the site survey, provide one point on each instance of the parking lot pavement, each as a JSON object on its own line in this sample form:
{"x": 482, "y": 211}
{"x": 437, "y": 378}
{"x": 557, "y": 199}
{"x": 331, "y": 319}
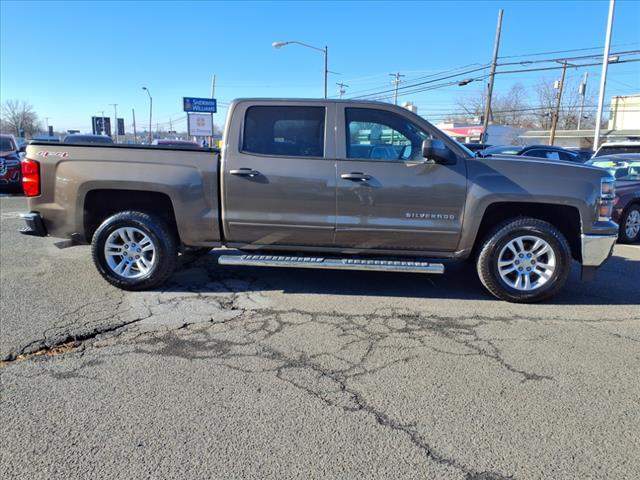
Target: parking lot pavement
{"x": 243, "y": 372}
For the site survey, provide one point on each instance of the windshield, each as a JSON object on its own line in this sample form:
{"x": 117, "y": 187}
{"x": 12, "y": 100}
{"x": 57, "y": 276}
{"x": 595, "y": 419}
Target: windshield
{"x": 620, "y": 170}
{"x": 502, "y": 150}
{"x": 613, "y": 149}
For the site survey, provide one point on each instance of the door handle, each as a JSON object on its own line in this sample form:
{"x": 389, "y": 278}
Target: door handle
{"x": 248, "y": 172}
{"x": 356, "y": 176}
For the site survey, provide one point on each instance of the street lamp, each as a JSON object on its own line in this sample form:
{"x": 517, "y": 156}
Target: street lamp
{"x": 324, "y": 50}
{"x": 150, "y": 111}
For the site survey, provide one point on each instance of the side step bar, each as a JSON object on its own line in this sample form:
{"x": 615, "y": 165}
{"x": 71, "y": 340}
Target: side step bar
{"x": 332, "y": 263}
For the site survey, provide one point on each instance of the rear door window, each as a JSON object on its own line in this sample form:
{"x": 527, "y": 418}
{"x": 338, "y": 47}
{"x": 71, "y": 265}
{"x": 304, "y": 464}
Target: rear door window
{"x": 285, "y": 131}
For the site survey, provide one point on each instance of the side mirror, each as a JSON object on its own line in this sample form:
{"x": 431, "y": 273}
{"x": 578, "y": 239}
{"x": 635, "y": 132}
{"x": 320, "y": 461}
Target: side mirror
{"x": 436, "y": 150}
{"x": 22, "y": 149}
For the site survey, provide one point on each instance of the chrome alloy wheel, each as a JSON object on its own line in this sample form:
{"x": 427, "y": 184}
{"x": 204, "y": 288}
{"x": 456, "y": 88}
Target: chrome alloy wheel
{"x": 632, "y": 225}
{"x": 526, "y": 263}
{"x": 129, "y": 252}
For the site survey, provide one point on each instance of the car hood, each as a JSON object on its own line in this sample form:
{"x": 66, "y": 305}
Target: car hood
{"x": 523, "y": 159}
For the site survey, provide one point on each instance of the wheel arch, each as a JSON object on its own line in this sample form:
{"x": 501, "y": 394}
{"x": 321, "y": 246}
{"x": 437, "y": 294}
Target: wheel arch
{"x": 565, "y": 218}
{"x": 99, "y": 204}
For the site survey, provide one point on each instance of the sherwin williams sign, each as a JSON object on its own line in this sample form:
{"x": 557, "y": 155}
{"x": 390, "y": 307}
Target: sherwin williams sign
{"x": 201, "y": 105}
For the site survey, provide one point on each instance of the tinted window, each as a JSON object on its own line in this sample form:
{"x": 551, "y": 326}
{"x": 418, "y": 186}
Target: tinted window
{"x": 382, "y": 135}
{"x": 569, "y": 157}
{"x": 536, "y": 153}
{"x": 6, "y": 145}
{"x": 284, "y": 131}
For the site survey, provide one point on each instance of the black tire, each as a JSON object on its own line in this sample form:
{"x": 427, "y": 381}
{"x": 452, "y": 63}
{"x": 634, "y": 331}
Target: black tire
{"x": 498, "y": 238}
{"x": 624, "y": 218}
{"x": 163, "y": 239}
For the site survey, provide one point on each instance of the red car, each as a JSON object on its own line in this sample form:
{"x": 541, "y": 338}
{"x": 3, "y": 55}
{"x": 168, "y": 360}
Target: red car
{"x": 625, "y": 168}
{"x": 10, "y": 176}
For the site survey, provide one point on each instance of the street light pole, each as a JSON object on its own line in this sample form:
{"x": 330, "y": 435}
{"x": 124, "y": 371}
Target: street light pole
{"x": 150, "y": 111}
{"x": 325, "y": 52}
{"x": 603, "y": 75}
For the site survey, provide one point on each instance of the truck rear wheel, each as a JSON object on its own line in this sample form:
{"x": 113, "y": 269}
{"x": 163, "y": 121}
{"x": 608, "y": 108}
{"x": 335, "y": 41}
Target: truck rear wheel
{"x": 134, "y": 250}
{"x": 524, "y": 260}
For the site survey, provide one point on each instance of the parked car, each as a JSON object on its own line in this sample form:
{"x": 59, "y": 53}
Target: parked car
{"x": 301, "y": 183}
{"x": 86, "y": 138}
{"x": 612, "y": 148}
{"x": 626, "y": 205}
{"x": 475, "y": 147}
{"x": 10, "y": 179}
{"x": 539, "y": 151}
{"x": 168, "y": 142}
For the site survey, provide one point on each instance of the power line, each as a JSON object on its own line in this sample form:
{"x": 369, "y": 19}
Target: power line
{"x": 536, "y": 54}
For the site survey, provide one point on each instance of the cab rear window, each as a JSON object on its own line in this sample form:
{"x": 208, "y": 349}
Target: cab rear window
{"x": 285, "y": 131}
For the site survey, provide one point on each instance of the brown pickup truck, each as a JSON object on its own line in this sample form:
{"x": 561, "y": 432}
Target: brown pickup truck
{"x": 324, "y": 184}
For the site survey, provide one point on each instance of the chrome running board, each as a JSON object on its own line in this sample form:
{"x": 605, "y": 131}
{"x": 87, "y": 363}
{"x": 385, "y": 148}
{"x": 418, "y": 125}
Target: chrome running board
{"x": 332, "y": 263}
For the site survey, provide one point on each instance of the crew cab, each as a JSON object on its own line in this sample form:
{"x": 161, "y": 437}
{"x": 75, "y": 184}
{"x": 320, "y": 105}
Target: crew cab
{"x": 334, "y": 184}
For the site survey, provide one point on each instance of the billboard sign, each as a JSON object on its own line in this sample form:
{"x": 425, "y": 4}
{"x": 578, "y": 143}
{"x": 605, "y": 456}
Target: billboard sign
{"x": 199, "y": 105}
{"x": 200, "y": 125}
{"x": 101, "y": 125}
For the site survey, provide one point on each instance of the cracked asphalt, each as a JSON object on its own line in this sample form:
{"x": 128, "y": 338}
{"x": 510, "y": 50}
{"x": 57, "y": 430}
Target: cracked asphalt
{"x": 252, "y": 373}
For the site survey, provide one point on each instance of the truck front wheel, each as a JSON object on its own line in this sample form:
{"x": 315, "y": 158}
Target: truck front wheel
{"x": 134, "y": 250}
{"x": 524, "y": 260}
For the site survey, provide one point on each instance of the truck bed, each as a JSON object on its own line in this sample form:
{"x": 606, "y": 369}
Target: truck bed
{"x": 75, "y": 175}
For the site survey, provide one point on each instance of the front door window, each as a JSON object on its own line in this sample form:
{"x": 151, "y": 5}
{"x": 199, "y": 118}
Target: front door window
{"x": 382, "y": 135}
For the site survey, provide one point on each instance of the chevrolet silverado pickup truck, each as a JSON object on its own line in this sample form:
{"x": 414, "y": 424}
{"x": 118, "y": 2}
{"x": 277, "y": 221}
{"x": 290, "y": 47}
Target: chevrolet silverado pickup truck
{"x": 324, "y": 184}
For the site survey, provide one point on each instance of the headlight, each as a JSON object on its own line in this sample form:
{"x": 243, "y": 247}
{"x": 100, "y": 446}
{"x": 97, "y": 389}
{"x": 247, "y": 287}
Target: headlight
{"x": 607, "y": 187}
{"x": 607, "y": 196}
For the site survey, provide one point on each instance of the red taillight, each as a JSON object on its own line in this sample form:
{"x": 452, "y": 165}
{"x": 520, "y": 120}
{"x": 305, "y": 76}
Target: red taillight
{"x": 31, "y": 178}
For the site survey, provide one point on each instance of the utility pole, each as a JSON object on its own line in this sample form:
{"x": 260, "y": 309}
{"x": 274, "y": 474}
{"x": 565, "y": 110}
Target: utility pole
{"x": 104, "y": 125}
{"x": 115, "y": 113}
{"x": 396, "y": 81}
{"x": 326, "y": 69}
{"x": 556, "y": 114}
{"x": 213, "y": 95}
{"x": 341, "y": 90}
{"x": 582, "y": 90}
{"x": 135, "y": 133}
{"x": 492, "y": 79}
{"x": 603, "y": 75}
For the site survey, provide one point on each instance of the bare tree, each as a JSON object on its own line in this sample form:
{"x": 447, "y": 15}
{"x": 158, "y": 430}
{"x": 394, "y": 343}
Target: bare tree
{"x": 569, "y": 107}
{"x": 511, "y": 108}
{"x": 19, "y": 115}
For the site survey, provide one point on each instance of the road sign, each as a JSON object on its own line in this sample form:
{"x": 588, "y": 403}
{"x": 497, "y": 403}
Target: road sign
{"x": 200, "y": 125}
{"x": 200, "y": 105}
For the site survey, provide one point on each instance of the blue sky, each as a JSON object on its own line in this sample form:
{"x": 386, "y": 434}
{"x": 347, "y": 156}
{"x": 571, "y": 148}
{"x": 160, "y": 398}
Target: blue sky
{"x": 72, "y": 59}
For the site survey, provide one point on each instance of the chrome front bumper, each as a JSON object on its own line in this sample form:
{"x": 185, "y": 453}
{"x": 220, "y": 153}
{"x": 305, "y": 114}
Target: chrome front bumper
{"x": 596, "y": 249}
